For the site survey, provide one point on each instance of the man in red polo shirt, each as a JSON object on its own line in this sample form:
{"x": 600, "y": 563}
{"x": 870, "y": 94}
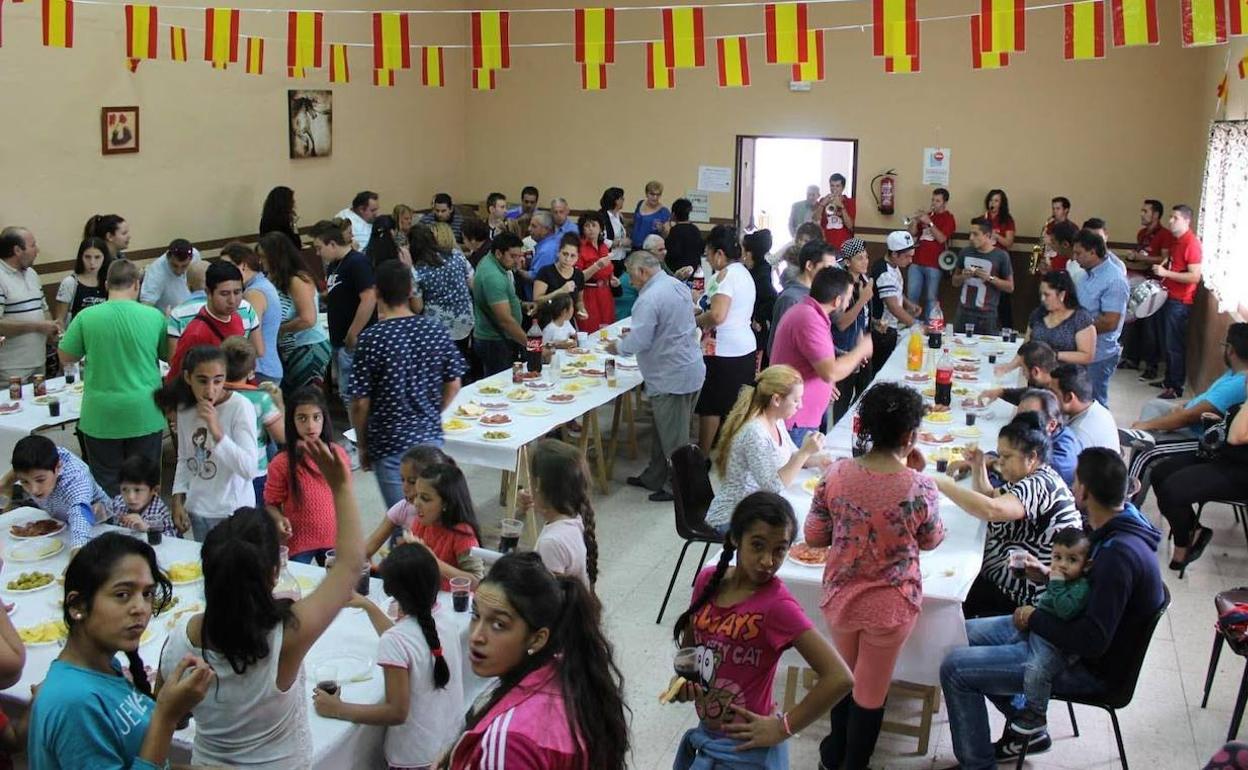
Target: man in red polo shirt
{"x": 932, "y": 230}
{"x": 1140, "y": 338}
{"x": 1055, "y": 260}
{"x": 1180, "y": 280}
{"x": 217, "y": 320}
{"x": 836, "y": 212}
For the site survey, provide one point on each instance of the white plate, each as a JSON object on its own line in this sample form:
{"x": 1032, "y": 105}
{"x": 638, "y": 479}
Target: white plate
{"x": 351, "y": 668}
{"x": 48, "y": 643}
{"x": 562, "y": 401}
{"x": 9, "y": 408}
{"x": 488, "y": 438}
{"x": 8, "y": 590}
{"x": 490, "y": 425}
{"x": 528, "y": 396}
{"x": 53, "y": 533}
{"x": 539, "y": 385}
{"x": 36, "y": 550}
{"x": 464, "y": 429}
{"x": 535, "y": 410}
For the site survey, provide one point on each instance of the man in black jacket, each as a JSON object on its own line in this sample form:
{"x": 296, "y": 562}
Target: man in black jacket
{"x": 1126, "y": 594}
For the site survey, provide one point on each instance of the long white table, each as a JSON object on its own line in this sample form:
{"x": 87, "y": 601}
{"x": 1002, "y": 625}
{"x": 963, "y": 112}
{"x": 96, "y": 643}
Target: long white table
{"x": 35, "y": 417}
{"x": 335, "y": 744}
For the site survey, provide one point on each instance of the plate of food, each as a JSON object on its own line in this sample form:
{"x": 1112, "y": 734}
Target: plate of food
{"x": 29, "y": 582}
{"x": 964, "y": 390}
{"x": 938, "y": 418}
{"x": 495, "y": 406}
{"x": 950, "y": 453}
{"x": 530, "y": 375}
{"x": 42, "y": 400}
{"x": 574, "y": 387}
{"x": 971, "y": 404}
{"x": 929, "y": 391}
{"x": 965, "y": 341}
{"x": 535, "y": 410}
{"x": 456, "y": 425}
{"x": 918, "y": 377}
{"x": 968, "y": 431}
{"x": 972, "y": 366}
{"x": 496, "y": 419}
{"x": 184, "y": 573}
{"x": 496, "y": 435}
{"x": 569, "y": 372}
{"x": 627, "y": 363}
{"x": 36, "y": 528}
{"x": 11, "y": 407}
{"x": 966, "y": 376}
{"x": 561, "y": 398}
{"x": 808, "y": 555}
{"x": 520, "y": 394}
{"x": 578, "y": 351}
{"x": 539, "y": 385}
{"x": 929, "y": 437}
{"x": 490, "y": 390}
{"x": 469, "y": 409}
{"x": 43, "y": 634}
{"x": 36, "y": 550}
{"x": 811, "y": 484}
{"x": 965, "y": 353}
{"x": 592, "y": 373}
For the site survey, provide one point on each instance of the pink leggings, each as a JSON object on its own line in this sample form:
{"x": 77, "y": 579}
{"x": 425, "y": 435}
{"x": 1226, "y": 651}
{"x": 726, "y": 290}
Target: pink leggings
{"x": 871, "y": 654}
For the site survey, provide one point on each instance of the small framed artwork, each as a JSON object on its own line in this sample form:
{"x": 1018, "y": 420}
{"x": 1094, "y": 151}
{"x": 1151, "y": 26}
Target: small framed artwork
{"x": 119, "y": 130}
{"x": 311, "y": 127}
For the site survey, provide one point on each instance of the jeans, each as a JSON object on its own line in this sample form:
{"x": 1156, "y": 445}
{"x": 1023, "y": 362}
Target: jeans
{"x": 105, "y": 456}
{"x": 1099, "y": 373}
{"x": 1139, "y": 341}
{"x": 701, "y": 749}
{"x": 258, "y": 485}
{"x": 672, "y": 412}
{"x": 202, "y": 525}
{"x": 1174, "y": 323}
{"x": 923, "y": 287}
{"x": 308, "y": 557}
{"x": 389, "y": 479}
{"x": 1044, "y": 663}
{"x": 993, "y": 665}
{"x": 984, "y": 323}
{"x": 341, "y": 363}
{"x": 495, "y": 355}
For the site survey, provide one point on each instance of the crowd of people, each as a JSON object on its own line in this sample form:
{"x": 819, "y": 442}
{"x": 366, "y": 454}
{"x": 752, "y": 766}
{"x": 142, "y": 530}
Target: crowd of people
{"x": 767, "y": 346}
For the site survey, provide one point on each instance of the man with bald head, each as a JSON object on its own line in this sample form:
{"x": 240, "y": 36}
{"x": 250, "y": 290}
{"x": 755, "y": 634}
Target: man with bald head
{"x": 546, "y": 250}
{"x": 24, "y": 321}
{"x": 560, "y": 212}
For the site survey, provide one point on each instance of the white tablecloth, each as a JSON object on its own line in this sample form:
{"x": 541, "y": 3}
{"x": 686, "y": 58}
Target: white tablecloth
{"x": 336, "y": 744}
{"x": 35, "y": 417}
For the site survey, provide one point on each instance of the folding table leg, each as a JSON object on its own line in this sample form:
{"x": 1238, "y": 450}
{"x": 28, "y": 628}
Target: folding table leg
{"x": 630, "y": 414}
{"x": 618, "y": 407}
{"x": 592, "y": 434}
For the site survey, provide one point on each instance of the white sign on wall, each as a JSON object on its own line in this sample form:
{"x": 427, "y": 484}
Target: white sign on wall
{"x": 936, "y": 166}
{"x": 715, "y": 179}
{"x": 701, "y": 211}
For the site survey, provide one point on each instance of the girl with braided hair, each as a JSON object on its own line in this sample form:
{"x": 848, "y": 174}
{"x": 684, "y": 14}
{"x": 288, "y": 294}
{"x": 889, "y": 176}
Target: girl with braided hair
{"x": 741, "y": 621}
{"x": 568, "y": 543}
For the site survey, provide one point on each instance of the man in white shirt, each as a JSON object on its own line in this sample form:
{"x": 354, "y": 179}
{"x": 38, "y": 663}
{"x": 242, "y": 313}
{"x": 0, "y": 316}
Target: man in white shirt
{"x": 364, "y": 208}
{"x": 891, "y": 310}
{"x": 1090, "y": 421}
{"x": 24, "y": 323}
{"x": 495, "y": 213}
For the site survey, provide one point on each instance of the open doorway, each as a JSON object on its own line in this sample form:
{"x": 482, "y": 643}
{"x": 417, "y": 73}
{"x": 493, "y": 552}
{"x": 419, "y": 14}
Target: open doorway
{"x": 773, "y": 173}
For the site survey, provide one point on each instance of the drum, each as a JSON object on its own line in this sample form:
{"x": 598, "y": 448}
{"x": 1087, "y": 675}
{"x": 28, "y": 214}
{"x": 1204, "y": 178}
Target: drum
{"x": 948, "y": 260}
{"x": 1146, "y": 298}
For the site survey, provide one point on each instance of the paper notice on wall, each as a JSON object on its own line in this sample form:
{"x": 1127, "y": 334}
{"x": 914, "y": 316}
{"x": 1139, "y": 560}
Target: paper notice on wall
{"x": 936, "y": 166}
{"x": 701, "y": 211}
{"x": 716, "y": 179}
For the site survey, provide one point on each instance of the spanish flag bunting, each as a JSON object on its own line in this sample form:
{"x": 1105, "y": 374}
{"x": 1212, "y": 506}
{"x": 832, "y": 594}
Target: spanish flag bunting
{"x": 221, "y": 35}
{"x": 305, "y": 41}
{"x": 339, "y": 69}
{"x": 383, "y": 78}
{"x": 255, "y": 55}
{"x": 219, "y": 65}
{"x": 1085, "y": 30}
{"x": 659, "y": 76}
{"x": 811, "y": 70}
{"x": 177, "y": 43}
{"x": 1243, "y": 66}
{"x": 58, "y": 23}
{"x": 1004, "y": 25}
{"x": 490, "y": 47}
{"x": 786, "y": 32}
{"x": 901, "y": 64}
{"x": 895, "y": 28}
{"x": 1204, "y": 22}
{"x": 593, "y": 77}
{"x": 432, "y": 73}
{"x": 141, "y": 29}
{"x": 391, "y": 42}
{"x": 684, "y": 42}
{"x": 132, "y": 65}
{"x": 296, "y": 73}
{"x": 984, "y": 60}
{"x": 483, "y": 80}
{"x": 1135, "y": 22}
{"x": 1239, "y": 14}
{"x": 594, "y": 33}
{"x": 734, "y": 62}
{"x": 1223, "y": 90}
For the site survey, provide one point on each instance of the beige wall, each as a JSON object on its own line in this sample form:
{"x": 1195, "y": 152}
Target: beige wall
{"x": 213, "y": 143}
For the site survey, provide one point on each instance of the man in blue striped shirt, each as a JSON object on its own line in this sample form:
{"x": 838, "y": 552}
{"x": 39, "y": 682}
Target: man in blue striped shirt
{"x": 24, "y": 322}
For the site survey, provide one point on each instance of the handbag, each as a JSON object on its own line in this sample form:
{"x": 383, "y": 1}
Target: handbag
{"x": 1213, "y": 443}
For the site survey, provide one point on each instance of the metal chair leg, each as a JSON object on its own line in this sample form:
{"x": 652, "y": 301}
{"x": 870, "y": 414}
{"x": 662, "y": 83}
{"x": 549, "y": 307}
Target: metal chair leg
{"x": 1074, "y": 725}
{"x": 1213, "y": 667}
{"x": 701, "y": 562}
{"x": 1122, "y": 751}
{"x": 1022, "y": 755}
{"x": 1240, "y": 699}
{"x": 672, "y": 583}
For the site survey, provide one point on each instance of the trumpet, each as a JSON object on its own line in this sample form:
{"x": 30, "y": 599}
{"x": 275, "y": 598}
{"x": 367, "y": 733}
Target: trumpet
{"x": 915, "y": 217}
{"x": 1037, "y": 253}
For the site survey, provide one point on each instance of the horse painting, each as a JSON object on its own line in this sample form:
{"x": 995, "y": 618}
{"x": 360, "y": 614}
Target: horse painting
{"x": 311, "y": 123}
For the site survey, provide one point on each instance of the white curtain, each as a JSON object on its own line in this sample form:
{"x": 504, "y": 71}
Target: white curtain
{"x": 1223, "y": 222}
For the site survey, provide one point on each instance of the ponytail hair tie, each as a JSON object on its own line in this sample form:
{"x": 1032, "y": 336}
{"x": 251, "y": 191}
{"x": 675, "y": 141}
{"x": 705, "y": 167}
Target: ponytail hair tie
{"x": 437, "y": 652}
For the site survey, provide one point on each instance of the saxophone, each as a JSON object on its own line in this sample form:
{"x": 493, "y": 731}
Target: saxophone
{"x": 1037, "y": 251}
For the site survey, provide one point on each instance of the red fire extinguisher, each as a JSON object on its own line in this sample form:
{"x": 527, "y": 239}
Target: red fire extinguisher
{"x": 886, "y": 192}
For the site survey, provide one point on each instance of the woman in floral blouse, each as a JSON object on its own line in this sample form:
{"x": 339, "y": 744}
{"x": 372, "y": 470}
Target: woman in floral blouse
{"x": 877, "y": 512}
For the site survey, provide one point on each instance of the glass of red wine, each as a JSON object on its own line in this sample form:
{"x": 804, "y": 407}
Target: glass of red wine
{"x": 686, "y": 663}
{"x": 327, "y": 678}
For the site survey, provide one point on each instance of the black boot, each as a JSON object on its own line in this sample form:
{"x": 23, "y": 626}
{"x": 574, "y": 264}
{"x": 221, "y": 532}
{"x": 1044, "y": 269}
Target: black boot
{"x": 864, "y": 730}
{"x": 832, "y": 748}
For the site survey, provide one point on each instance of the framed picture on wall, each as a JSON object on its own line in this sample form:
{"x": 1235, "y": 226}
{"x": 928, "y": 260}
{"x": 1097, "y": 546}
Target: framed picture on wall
{"x": 311, "y": 123}
{"x": 119, "y": 130}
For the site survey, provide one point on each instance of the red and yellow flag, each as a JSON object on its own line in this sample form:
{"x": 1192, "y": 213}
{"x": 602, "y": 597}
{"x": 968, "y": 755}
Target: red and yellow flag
{"x": 432, "y": 73}
{"x": 391, "y": 42}
{"x": 1204, "y": 22}
{"x": 1004, "y": 26}
{"x": 659, "y": 76}
{"x": 1135, "y": 22}
{"x": 593, "y": 77}
{"x": 734, "y": 62}
{"x": 132, "y": 65}
{"x": 255, "y": 55}
{"x": 594, "y": 33}
{"x": 901, "y": 64}
{"x": 684, "y": 41}
{"x": 1224, "y": 89}
{"x": 786, "y": 32}
{"x": 383, "y": 78}
{"x": 1085, "y": 30}
{"x": 1239, "y": 15}
{"x": 221, "y": 35}
{"x": 296, "y": 73}
{"x": 58, "y": 23}
{"x": 177, "y": 43}
{"x": 984, "y": 60}
{"x": 895, "y": 28}
{"x": 811, "y": 70}
{"x": 339, "y": 67}
{"x": 141, "y": 29}
{"x": 1243, "y": 67}
{"x": 305, "y": 41}
{"x": 483, "y": 80}
{"x": 491, "y": 49}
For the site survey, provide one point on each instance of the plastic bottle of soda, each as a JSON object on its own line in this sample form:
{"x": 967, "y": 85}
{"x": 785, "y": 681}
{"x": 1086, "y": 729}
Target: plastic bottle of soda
{"x": 936, "y": 321}
{"x": 944, "y": 379}
{"x": 534, "y": 338}
{"x": 914, "y": 351}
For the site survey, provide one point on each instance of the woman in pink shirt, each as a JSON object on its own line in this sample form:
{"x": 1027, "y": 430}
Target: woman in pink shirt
{"x": 558, "y": 704}
{"x": 876, "y": 512}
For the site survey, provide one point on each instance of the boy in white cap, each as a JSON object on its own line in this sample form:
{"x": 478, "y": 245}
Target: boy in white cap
{"x": 890, "y": 309}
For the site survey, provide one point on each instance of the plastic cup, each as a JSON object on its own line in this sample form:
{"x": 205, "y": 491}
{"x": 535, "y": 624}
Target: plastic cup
{"x": 461, "y": 591}
{"x": 942, "y": 465}
{"x": 326, "y": 675}
{"x": 54, "y": 407}
{"x": 686, "y": 662}
{"x": 1018, "y": 563}
{"x": 970, "y": 418}
{"x": 330, "y": 557}
{"x": 510, "y": 535}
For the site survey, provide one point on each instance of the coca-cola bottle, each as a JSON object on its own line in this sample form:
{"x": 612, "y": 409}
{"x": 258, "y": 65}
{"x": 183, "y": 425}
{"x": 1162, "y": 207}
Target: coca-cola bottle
{"x": 862, "y": 442}
{"x": 944, "y": 379}
{"x": 935, "y": 327}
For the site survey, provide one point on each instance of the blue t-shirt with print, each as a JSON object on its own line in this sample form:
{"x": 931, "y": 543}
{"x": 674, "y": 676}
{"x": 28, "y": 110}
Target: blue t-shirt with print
{"x": 1225, "y": 392}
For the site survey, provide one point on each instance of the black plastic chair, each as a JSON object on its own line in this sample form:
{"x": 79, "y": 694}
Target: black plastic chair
{"x": 691, "y": 488}
{"x": 1118, "y": 695}
{"x": 1240, "y": 509}
{"x": 1221, "y": 603}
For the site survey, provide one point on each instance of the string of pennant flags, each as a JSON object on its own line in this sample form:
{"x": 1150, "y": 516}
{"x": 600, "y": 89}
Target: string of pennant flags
{"x": 997, "y": 32}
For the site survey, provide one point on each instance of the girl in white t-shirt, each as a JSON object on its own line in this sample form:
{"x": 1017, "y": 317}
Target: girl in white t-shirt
{"x": 567, "y": 544}
{"x": 555, "y": 317}
{"x": 402, "y": 514}
{"x": 424, "y": 703}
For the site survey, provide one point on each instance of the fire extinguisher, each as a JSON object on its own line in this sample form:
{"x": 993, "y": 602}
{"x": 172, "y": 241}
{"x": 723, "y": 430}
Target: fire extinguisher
{"x": 886, "y": 192}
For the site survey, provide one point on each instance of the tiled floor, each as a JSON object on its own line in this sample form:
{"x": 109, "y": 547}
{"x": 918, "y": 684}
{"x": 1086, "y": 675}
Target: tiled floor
{"x": 1163, "y": 728}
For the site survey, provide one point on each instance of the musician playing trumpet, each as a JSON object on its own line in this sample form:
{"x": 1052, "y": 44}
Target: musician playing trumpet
{"x": 932, "y": 228}
{"x": 1051, "y": 258}
{"x": 837, "y": 212}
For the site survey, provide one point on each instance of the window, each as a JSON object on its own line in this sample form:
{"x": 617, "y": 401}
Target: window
{"x": 773, "y": 173}
{"x": 1223, "y": 222}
